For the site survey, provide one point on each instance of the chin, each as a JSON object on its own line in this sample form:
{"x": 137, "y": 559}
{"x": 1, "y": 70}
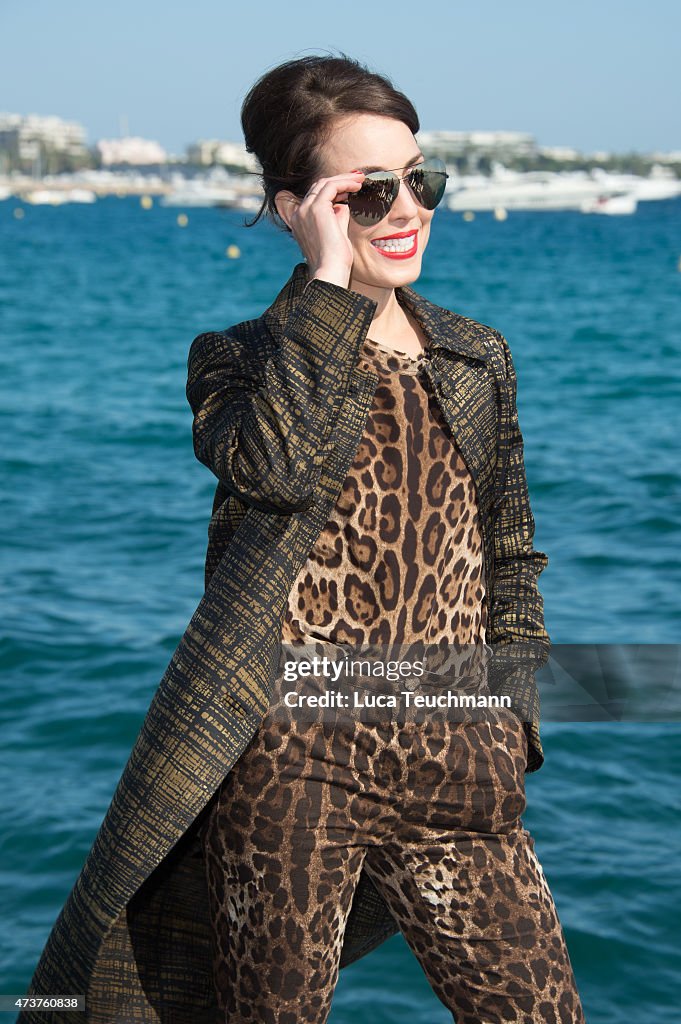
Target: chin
{"x": 394, "y": 274}
{"x": 401, "y": 272}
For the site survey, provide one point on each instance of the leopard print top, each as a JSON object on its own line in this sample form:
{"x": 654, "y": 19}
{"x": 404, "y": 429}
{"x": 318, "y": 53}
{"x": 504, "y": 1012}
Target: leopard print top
{"x": 400, "y": 559}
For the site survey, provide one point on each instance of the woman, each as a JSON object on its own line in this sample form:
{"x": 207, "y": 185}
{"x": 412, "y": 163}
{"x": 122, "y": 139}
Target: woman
{"x": 371, "y": 490}
{"x": 399, "y": 560}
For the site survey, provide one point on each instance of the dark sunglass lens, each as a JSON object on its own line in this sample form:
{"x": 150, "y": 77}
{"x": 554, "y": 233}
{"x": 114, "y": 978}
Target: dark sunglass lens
{"x": 373, "y": 201}
{"x": 428, "y": 182}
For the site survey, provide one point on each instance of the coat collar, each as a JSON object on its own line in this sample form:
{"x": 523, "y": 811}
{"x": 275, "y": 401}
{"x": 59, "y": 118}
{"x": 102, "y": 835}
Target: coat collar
{"x": 443, "y": 328}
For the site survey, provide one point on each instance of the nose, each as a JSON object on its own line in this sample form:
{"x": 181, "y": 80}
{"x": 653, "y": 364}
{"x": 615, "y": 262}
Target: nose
{"x": 405, "y": 205}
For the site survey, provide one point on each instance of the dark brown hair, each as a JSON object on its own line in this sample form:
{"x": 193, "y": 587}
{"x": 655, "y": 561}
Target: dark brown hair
{"x": 289, "y": 113}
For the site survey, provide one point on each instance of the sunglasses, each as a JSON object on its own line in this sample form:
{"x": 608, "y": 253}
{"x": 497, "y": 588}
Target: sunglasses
{"x": 380, "y": 189}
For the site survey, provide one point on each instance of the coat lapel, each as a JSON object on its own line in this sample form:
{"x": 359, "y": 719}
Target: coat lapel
{"x": 468, "y": 393}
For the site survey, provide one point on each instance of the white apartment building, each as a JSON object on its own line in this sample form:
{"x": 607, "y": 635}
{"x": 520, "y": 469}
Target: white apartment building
{"x": 21, "y": 135}
{"x": 216, "y": 151}
{"x": 130, "y": 150}
{"x": 494, "y": 144}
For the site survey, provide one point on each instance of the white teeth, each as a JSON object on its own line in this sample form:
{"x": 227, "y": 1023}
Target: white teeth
{"x": 396, "y": 244}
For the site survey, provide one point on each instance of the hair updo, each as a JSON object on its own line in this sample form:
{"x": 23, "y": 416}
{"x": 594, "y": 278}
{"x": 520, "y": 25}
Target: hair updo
{"x": 289, "y": 114}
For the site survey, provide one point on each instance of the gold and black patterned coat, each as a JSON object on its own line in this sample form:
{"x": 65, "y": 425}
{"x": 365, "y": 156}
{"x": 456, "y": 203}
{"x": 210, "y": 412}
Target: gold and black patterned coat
{"x": 279, "y": 409}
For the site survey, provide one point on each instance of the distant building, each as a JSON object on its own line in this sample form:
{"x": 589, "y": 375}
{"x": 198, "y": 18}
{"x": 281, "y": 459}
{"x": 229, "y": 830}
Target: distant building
{"x": 23, "y": 136}
{"x": 497, "y": 145}
{"x": 215, "y": 151}
{"x": 673, "y": 157}
{"x": 560, "y": 153}
{"x": 130, "y": 150}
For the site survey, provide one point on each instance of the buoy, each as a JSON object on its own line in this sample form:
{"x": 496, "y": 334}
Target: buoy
{"x": 469, "y": 215}
{"x": 500, "y": 213}
{"x": 182, "y": 220}
{"x": 18, "y": 212}
{"x": 233, "y": 252}
{"x": 146, "y": 202}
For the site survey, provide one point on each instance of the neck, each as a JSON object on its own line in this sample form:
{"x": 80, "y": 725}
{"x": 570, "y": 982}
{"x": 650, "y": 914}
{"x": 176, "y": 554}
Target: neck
{"x": 388, "y": 310}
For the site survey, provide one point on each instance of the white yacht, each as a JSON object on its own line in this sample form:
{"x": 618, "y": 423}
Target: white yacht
{"x": 596, "y": 191}
{"x": 218, "y": 188}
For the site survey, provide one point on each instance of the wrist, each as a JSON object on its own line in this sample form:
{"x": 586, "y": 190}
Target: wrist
{"x": 334, "y": 275}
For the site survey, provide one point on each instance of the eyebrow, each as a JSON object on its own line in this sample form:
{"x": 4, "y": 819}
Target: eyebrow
{"x": 369, "y": 170}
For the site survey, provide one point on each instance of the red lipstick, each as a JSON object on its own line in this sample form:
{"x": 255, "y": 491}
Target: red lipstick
{"x": 400, "y": 234}
{"x": 403, "y": 254}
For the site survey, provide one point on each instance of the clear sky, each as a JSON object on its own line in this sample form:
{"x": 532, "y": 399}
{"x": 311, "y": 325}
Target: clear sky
{"x": 594, "y": 74}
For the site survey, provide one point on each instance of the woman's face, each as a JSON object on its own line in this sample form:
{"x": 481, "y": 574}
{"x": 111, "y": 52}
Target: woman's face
{"x": 382, "y": 143}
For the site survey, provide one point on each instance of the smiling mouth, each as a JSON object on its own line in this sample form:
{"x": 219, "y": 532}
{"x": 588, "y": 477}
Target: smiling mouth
{"x": 397, "y": 248}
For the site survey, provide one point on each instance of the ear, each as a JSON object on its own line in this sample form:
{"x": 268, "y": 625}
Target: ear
{"x": 285, "y": 203}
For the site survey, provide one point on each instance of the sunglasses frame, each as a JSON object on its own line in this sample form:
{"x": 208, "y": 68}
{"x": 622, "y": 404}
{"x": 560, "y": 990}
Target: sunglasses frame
{"x": 399, "y": 178}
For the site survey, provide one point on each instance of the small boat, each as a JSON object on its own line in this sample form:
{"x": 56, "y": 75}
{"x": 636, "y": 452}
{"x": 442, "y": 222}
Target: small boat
{"x": 81, "y": 195}
{"x": 616, "y": 204}
{"x": 241, "y": 201}
{"x": 44, "y": 197}
{"x": 221, "y": 191}
{"x": 195, "y": 193}
{"x": 216, "y": 187}
{"x": 58, "y": 196}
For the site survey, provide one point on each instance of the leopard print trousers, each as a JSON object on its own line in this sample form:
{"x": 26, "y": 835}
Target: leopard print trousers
{"x": 432, "y": 811}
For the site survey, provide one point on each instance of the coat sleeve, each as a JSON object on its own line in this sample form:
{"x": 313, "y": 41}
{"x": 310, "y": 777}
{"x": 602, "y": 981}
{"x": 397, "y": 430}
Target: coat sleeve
{"x": 262, "y": 431}
{"x": 518, "y": 637}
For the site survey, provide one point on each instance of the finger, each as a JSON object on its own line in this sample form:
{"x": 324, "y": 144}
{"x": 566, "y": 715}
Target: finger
{"x": 331, "y": 186}
{"x": 336, "y": 182}
{"x": 345, "y": 176}
{"x": 342, "y": 213}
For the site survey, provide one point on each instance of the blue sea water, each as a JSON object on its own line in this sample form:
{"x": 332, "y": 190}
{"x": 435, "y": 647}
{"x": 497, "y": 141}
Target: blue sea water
{"x": 104, "y": 522}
